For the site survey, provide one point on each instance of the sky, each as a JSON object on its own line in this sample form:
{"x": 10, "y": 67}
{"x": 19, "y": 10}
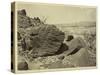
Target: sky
{"x": 59, "y": 14}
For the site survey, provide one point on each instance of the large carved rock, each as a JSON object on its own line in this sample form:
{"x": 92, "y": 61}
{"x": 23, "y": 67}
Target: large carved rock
{"x": 43, "y": 40}
{"x": 36, "y": 37}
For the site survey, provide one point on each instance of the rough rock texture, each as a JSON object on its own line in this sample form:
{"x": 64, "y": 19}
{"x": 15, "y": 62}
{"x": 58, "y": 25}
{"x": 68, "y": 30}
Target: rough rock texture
{"x": 22, "y": 12}
{"x": 79, "y": 59}
{"x": 38, "y": 38}
{"x": 91, "y": 42}
{"x": 23, "y": 21}
{"x": 36, "y": 21}
{"x": 43, "y": 40}
{"x": 22, "y": 64}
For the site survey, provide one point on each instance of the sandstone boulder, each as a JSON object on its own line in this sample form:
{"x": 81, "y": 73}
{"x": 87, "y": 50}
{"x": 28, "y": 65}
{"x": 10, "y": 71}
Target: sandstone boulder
{"x": 43, "y": 40}
{"x": 75, "y": 45}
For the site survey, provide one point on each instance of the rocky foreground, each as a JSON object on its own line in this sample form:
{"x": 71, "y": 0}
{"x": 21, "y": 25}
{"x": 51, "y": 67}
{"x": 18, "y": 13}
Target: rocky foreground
{"x": 41, "y": 46}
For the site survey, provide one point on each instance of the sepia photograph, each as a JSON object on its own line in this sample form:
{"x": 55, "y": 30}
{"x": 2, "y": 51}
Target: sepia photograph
{"x": 53, "y": 36}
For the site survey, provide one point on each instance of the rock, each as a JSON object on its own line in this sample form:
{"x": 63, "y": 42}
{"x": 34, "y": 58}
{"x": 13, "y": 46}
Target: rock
{"x": 70, "y": 37}
{"x": 19, "y": 36}
{"x": 36, "y": 21}
{"x": 62, "y": 48}
{"x": 22, "y": 12}
{"x": 23, "y": 21}
{"x": 77, "y": 42}
{"x": 22, "y": 64}
{"x": 81, "y": 58}
{"x": 61, "y": 57}
{"x": 37, "y": 37}
{"x": 44, "y": 40}
{"x": 75, "y": 45}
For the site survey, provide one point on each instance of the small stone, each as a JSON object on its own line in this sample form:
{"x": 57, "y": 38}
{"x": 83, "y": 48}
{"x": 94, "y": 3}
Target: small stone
{"x": 22, "y": 64}
{"x": 61, "y": 57}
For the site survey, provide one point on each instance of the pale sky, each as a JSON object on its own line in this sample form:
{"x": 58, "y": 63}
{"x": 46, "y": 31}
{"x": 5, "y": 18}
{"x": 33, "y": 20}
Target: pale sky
{"x": 59, "y": 14}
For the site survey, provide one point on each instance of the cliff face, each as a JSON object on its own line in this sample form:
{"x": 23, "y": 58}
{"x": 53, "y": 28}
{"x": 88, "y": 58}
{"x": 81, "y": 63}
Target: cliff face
{"x": 41, "y": 46}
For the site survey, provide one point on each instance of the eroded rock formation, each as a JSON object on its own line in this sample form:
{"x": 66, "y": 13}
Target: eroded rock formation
{"x": 42, "y": 46}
